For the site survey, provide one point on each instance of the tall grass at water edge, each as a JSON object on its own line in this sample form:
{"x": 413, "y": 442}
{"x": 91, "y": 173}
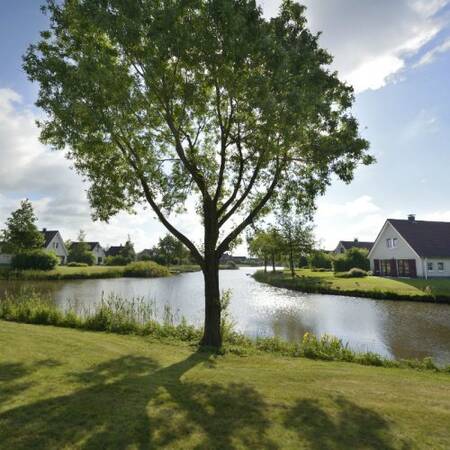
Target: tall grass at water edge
{"x": 136, "y": 316}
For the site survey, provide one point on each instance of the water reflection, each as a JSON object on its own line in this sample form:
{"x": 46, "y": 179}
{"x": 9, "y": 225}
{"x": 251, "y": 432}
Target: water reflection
{"x": 396, "y": 329}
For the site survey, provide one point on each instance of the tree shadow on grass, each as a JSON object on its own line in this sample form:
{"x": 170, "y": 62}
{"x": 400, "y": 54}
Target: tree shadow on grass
{"x": 132, "y": 402}
{"x": 11, "y": 374}
{"x": 352, "y": 427}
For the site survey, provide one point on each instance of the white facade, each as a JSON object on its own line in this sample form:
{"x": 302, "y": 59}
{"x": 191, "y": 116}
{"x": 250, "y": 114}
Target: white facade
{"x": 57, "y": 246}
{"x": 5, "y": 259}
{"x": 391, "y": 246}
{"x": 99, "y": 254}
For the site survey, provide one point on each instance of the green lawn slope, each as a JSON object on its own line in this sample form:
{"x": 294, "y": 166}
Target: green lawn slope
{"x": 63, "y": 388}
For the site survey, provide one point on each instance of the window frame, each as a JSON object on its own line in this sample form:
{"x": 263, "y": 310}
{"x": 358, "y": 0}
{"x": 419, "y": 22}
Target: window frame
{"x": 430, "y": 266}
{"x": 439, "y": 265}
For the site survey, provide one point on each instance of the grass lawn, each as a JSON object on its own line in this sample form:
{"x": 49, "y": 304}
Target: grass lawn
{"x": 377, "y": 287}
{"x": 62, "y": 388}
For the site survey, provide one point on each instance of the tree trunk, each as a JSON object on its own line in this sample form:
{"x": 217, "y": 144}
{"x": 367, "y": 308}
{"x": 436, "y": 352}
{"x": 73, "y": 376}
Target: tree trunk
{"x": 273, "y": 262}
{"x": 291, "y": 260}
{"x": 265, "y": 263}
{"x": 212, "y": 333}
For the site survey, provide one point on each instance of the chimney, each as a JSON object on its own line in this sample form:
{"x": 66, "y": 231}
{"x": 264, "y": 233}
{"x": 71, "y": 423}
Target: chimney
{"x": 355, "y": 240}
{"x": 44, "y": 230}
{"x": 411, "y": 218}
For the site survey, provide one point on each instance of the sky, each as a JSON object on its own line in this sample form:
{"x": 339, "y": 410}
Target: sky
{"x": 396, "y": 54}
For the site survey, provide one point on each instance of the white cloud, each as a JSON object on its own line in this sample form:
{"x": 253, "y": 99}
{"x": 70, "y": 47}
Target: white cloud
{"x": 430, "y": 56}
{"x": 28, "y": 169}
{"x": 360, "y": 218}
{"x": 371, "y": 41}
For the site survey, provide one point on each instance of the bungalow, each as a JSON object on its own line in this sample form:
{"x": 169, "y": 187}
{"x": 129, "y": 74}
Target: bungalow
{"x": 412, "y": 248}
{"x": 343, "y": 246}
{"x": 97, "y": 250}
{"x": 52, "y": 242}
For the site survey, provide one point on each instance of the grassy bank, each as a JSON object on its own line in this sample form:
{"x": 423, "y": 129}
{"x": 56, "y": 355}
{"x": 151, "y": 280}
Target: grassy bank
{"x": 63, "y": 388}
{"x": 86, "y": 273}
{"x": 80, "y": 273}
{"x": 306, "y": 280}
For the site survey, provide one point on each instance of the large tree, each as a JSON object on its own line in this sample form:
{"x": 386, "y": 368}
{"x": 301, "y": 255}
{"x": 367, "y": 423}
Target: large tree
{"x": 21, "y": 232}
{"x": 161, "y": 101}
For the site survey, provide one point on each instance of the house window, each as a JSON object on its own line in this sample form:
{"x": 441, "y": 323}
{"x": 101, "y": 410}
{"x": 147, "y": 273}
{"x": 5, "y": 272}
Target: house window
{"x": 389, "y": 243}
{"x": 403, "y": 268}
{"x": 385, "y": 267}
{"x": 430, "y": 266}
{"x": 394, "y": 242}
{"x": 440, "y": 266}
{"x": 55, "y": 244}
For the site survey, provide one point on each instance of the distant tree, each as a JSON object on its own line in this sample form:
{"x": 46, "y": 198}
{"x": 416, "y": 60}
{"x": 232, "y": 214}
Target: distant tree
{"x": 127, "y": 252}
{"x": 351, "y": 259}
{"x": 79, "y": 252}
{"x": 161, "y": 101}
{"x": 296, "y": 237}
{"x": 267, "y": 245}
{"x": 21, "y": 232}
{"x": 171, "y": 250}
{"x": 320, "y": 260}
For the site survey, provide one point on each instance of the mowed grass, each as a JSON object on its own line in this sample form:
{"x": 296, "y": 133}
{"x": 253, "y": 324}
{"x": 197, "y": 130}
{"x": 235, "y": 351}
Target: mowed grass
{"x": 62, "y": 388}
{"x": 402, "y": 286}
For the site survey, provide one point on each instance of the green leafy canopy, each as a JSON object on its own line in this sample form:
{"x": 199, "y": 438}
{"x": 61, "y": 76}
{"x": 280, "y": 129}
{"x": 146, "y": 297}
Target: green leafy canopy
{"x": 160, "y": 101}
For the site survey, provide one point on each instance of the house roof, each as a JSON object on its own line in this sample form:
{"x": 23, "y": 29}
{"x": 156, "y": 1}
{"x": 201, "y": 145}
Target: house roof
{"x": 48, "y": 236}
{"x": 91, "y": 245}
{"x": 114, "y": 250}
{"x": 356, "y": 244}
{"x": 428, "y": 239}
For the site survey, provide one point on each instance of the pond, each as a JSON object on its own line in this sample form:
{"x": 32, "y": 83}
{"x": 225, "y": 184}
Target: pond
{"x": 396, "y": 329}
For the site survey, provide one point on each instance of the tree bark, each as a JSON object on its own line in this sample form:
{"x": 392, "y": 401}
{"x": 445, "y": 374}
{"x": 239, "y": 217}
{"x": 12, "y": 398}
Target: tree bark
{"x": 212, "y": 331}
{"x": 265, "y": 263}
{"x": 291, "y": 260}
{"x": 273, "y": 262}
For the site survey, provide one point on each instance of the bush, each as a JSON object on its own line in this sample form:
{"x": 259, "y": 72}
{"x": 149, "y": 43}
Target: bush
{"x": 117, "y": 260}
{"x": 87, "y": 258}
{"x": 34, "y": 259}
{"x": 352, "y": 273}
{"x": 145, "y": 269}
{"x": 320, "y": 260}
{"x": 77, "y": 264}
{"x": 352, "y": 258}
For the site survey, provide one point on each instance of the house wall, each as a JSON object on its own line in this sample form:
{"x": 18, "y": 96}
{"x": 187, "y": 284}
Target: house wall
{"x": 435, "y": 272}
{"x": 339, "y": 249}
{"x": 57, "y": 246}
{"x": 99, "y": 254}
{"x": 5, "y": 259}
{"x": 402, "y": 251}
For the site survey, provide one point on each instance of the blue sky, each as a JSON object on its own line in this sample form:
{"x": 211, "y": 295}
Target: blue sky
{"x": 396, "y": 54}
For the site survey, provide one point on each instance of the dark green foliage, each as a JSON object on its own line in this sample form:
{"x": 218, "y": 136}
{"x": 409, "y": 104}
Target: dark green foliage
{"x": 145, "y": 269}
{"x": 77, "y": 264}
{"x": 320, "y": 260}
{"x": 169, "y": 251}
{"x": 34, "y": 260}
{"x": 21, "y": 232}
{"x": 117, "y": 260}
{"x": 303, "y": 262}
{"x": 352, "y": 273}
{"x": 79, "y": 251}
{"x": 352, "y": 258}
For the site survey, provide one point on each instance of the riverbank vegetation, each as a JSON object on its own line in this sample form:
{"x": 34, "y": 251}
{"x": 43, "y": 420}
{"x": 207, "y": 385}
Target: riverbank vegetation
{"x": 63, "y": 388}
{"x": 328, "y": 282}
{"x": 116, "y": 315}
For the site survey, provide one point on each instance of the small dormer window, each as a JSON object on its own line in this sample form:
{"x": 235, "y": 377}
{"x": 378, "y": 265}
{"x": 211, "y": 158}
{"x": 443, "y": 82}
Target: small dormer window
{"x": 394, "y": 242}
{"x": 55, "y": 245}
{"x": 389, "y": 243}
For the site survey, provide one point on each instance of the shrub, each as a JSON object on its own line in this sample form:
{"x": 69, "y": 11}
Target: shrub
{"x": 145, "y": 269}
{"x": 231, "y": 265}
{"x": 353, "y": 273}
{"x": 320, "y": 260}
{"x": 352, "y": 258}
{"x": 117, "y": 260}
{"x": 77, "y": 264}
{"x": 34, "y": 259}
